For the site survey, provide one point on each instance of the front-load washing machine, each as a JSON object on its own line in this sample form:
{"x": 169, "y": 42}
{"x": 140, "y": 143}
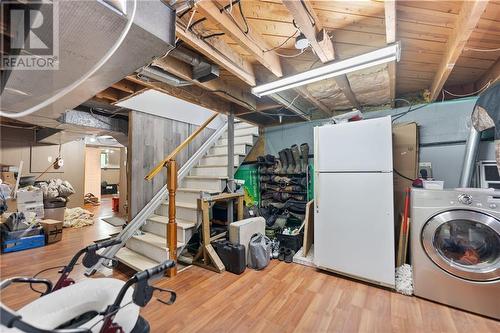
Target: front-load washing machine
{"x": 455, "y": 248}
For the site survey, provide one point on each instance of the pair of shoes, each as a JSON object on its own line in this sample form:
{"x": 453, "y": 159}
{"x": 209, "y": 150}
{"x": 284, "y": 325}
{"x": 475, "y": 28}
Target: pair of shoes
{"x": 286, "y": 254}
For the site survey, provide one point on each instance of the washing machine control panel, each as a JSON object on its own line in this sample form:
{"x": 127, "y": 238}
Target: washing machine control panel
{"x": 465, "y": 199}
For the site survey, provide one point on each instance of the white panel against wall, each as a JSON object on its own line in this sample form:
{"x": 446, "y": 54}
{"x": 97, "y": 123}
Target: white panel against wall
{"x": 166, "y": 106}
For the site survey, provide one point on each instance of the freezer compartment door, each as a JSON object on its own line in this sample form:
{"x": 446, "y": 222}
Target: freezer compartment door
{"x": 364, "y": 145}
{"x": 354, "y": 225}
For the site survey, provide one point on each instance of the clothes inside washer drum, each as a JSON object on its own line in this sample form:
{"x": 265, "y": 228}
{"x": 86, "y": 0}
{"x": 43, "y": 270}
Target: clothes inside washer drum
{"x": 50, "y": 311}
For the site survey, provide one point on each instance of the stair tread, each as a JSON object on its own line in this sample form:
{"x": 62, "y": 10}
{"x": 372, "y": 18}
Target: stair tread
{"x": 155, "y": 240}
{"x": 189, "y": 189}
{"x": 135, "y": 260}
{"x": 240, "y": 135}
{"x": 183, "y": 204}
{"x": 243, "y": 126}
{"x": 236, "y": 144}
{"x": 218, "y": 155}
{"x": 213, "y": 166}
{"x": 206, "y": 177}
{"x": 184, "y": 224}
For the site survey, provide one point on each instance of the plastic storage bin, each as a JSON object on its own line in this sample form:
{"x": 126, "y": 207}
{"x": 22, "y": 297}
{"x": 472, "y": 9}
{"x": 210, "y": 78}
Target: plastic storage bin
{"x": 23, "y": 243}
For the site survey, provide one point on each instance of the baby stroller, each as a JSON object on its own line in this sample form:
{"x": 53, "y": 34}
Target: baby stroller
{"x": 104, "y": 305}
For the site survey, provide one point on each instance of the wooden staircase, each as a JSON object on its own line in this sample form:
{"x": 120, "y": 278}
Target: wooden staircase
{"x": 149, "y": 247}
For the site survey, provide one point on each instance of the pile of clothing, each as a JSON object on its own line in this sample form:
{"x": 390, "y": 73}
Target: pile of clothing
{"x": 77, "y": 217}
{"x": 56, "y": 189}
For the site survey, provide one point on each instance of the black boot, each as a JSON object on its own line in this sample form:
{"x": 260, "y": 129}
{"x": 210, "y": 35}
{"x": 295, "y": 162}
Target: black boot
{"x": 304, "y": 151}
{"x": 291, "y": 162}
{"x": 296, "y": 157}
{"x": 284, "y": 162}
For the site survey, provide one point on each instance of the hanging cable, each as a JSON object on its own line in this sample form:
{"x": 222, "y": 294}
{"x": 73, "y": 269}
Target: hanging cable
{"x": 283, "y": 43}
{"x": 213, "y": 35}
{"x": 292, "y": 55}
{"x": 308, "y": 13}
{"x": 469, "y": 94}
{"x": 87, "y": 75}
{"x": 189, "y": 25}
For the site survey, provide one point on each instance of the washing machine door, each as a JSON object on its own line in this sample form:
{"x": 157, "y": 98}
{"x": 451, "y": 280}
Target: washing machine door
{"x": 464, "y": 243}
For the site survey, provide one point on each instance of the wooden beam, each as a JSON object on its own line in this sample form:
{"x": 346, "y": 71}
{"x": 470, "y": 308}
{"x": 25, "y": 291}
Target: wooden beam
{"x": 322, "y": 107}
{"x": 125, "y": 86}
{"x": 345, "y": 86}
{"x": 302, "y": 13}
{"x": 467, "y": 19}
{"x": 252, "y": 43}
{"x": 390, "y": 37}
{"x": 234, "y": 93}
{"x": 219, "y": 52}
{"x": 109, "y": 94}
{"x": 319, "y": 39}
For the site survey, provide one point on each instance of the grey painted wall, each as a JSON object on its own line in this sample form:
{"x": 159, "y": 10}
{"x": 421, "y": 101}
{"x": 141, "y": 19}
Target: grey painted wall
{"x": 151, "y": 139}
{"x": 443, "y": 130}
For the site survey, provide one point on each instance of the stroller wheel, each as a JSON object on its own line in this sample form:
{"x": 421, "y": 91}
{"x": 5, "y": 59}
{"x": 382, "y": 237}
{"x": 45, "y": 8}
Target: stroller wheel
{"x": 141, "y": 326}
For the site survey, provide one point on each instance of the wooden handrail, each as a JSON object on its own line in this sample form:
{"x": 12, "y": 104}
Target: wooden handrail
{"x": 157, "y": 169}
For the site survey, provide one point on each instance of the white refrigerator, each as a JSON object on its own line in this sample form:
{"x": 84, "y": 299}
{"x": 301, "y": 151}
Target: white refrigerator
{"x": 353, "y": 184}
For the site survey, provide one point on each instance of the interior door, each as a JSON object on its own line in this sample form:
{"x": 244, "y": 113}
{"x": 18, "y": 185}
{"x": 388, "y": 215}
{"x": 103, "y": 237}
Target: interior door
{"x": 464, "y": 243}
{"x": 353, "y": 225}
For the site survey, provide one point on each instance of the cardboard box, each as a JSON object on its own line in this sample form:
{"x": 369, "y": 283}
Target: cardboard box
{"x": 53, "y": 230}
{"x": 31, "y": 201}
{"x": 8, "y": 178}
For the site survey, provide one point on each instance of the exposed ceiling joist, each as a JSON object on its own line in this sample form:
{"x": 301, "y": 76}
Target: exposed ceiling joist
{"x": 345, "y": 86}
{"x": 318, "y": 38}
{"x": 390, "y": 37}
{"x": 252, "y": 43}
{"x": 231, "y": 92}
{"x": 309, "y": 24}
{"x": 306, "y": 94}
{"x": 466, "y": 21}
{"x": 109, "y": 94}
{"x": 125, "y": 86}
{"x": 220, "y": 53}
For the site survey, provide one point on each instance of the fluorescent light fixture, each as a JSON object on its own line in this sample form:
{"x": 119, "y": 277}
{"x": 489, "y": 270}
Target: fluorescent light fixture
{"x": 370, "y": 59}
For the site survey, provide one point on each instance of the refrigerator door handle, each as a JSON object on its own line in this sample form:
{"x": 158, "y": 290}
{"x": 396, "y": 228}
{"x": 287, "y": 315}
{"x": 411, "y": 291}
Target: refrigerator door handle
{"x": 316, "y": 192}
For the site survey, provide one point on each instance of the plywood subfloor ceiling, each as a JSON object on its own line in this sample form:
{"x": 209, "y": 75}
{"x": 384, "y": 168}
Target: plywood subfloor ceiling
{"x": 447, "y": 47}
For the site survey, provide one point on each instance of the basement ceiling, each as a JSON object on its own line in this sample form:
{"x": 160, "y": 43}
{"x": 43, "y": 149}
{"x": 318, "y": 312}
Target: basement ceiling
{"x": 450, "y": 45}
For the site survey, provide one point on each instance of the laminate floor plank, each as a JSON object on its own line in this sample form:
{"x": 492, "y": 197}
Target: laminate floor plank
{"x": 281, "y": 298}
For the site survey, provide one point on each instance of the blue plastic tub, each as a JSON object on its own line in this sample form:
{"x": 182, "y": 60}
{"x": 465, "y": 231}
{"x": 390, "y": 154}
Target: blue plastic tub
{"x": 23, "y": 243}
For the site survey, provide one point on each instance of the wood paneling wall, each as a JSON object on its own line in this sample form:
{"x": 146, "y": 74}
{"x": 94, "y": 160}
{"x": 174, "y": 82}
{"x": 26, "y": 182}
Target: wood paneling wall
{"x": 18, "y": 144}
{"x": 151, "y": 138}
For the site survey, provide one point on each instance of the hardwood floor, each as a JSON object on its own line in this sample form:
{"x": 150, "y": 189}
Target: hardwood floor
{"x": 281, "y": 298}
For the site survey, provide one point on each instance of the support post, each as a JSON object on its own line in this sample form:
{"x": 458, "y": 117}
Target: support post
{"x": 172, "y": 225}
{"x": 230, "y": 164}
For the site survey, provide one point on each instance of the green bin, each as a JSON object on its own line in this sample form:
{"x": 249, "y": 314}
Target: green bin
{"x": 250, "y": 174}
